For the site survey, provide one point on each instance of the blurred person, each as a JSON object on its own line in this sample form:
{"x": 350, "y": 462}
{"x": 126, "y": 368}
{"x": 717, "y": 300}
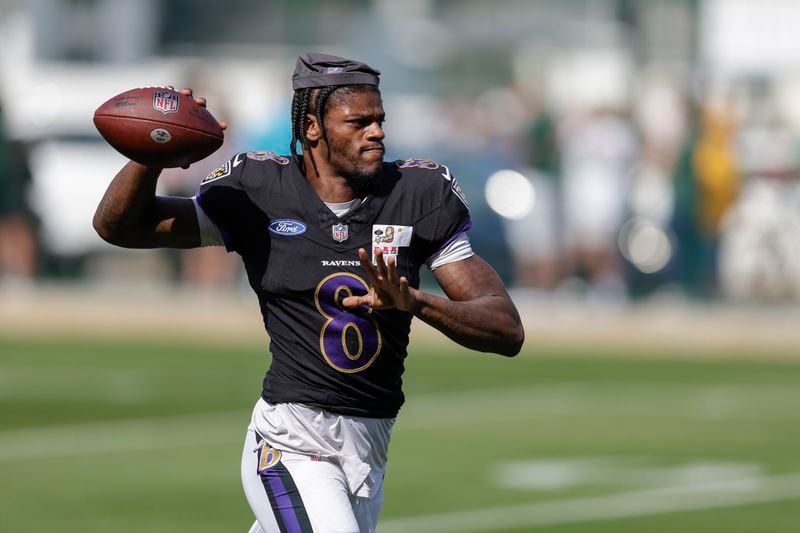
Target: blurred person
{"x": 17, "y": 235}
{"x": 759, "y": 251}
{"x": 706, "y": 183}
{"x": 759, "y": 246}
{"x": 646, "y": 240}
{"x": 598, "y": 150}
{"x": 716, "y": 168}
{"x": 337, "y": 289}
{"x": 535, "y": 237}
{"x": 661, "y": 117}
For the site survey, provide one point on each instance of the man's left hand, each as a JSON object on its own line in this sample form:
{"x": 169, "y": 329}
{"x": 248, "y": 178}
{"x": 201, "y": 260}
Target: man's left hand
{"x": 387, "y": 290}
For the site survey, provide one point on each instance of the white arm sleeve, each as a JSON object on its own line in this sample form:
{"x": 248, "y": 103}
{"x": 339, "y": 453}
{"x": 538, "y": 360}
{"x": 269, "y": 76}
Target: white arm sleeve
{"x": 458, "y": 249}
{"x": 210, "y": 235}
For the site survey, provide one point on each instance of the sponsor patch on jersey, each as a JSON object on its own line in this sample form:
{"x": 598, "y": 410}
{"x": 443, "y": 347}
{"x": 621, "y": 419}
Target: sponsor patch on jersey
{"x": 268, "y": 156}
{"x": 166, "y": 102}
{"x": 390, "y": 238}
{"x": 217, "y": 173}
{"x": 418, "y": 163}
{"x": 287, "y": 227}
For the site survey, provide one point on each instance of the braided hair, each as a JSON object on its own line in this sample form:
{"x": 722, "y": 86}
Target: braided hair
{"x": 315, "y": 101}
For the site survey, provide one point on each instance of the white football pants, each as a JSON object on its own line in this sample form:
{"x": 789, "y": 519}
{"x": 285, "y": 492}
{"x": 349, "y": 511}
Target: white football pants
{"x": 294, "y": 493}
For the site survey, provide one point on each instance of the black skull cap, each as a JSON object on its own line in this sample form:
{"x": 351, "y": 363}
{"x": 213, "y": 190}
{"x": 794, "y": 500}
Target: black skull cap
{"x": 322, "y": 70}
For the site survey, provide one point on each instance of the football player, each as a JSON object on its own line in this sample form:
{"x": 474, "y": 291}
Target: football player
{"x": 332, "y": 239}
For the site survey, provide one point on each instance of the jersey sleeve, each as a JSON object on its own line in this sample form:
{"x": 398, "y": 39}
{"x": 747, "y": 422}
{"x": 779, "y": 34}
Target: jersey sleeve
{"x": 210, "y": 234}
{"x": 449, "y": 217}
{"x": 224, "y": 199}
{"x": 458, "y": 249}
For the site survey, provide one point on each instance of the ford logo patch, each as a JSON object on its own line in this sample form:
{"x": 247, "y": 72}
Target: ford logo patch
{"x": 287, "y": 227}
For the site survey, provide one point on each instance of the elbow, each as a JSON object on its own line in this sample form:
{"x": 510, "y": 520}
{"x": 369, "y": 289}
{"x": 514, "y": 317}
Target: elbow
{"x": 108, "y": 231}
{"x": 103, "y": 229}
{"x": 507, "y": 342}
{"x": 513, "y": 341}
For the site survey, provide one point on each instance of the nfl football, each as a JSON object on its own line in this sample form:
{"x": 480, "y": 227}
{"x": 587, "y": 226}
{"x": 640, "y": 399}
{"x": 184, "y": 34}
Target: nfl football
{"x": 158, "y": 127}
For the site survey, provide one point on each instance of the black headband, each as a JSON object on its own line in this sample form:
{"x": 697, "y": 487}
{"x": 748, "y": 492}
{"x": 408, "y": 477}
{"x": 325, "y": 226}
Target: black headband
{"x": 322, "y": 70}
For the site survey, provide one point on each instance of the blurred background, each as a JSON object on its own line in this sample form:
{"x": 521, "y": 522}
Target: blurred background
{"x": 612, "y": 150}
{"x": 632, "y": 170}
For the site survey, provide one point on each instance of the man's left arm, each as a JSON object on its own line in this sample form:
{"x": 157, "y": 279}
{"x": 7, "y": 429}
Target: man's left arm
{"x": 477, "y": 313}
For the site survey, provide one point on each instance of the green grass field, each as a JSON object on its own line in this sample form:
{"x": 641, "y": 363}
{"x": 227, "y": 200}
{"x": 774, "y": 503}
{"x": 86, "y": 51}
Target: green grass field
{"x": 106, "y": 436}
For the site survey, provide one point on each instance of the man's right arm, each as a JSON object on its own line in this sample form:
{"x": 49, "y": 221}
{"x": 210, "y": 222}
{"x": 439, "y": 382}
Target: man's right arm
{"x": 132, "y": 216}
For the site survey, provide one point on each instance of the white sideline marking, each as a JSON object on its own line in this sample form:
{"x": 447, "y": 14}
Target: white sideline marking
{"x": 607, "y": 399}
{"x": 729, "y": 493}
{"x": 631, "y": 472}
{"x": 159, "y": 432}
{"x": 122, "y": 435}
{"x": 425, "y": 412}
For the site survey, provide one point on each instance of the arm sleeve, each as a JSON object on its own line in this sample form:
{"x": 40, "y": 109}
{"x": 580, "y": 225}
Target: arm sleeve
{"x": 210, "y": 235}
{"x": 443, "y": 229}
{"x": 223, "y": 199}
{"x": 458, "y": 249}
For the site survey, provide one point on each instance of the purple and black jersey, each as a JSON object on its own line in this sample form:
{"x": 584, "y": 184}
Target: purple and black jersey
{"x": 302, "y": 260}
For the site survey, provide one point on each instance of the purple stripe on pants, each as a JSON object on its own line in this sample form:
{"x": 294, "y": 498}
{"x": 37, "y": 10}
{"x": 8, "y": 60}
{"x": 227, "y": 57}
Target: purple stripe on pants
{"x": 282, "y": 501}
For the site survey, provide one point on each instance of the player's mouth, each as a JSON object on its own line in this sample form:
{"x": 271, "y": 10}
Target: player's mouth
{"x": 376, "y": 149}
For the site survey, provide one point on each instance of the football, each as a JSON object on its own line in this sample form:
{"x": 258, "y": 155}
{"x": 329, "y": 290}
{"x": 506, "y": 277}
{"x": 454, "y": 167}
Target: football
{"x": 158, "y": 127}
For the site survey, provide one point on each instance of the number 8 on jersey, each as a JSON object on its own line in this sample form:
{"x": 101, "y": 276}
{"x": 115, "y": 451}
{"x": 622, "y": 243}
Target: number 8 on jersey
{"x": 341, "y": 324}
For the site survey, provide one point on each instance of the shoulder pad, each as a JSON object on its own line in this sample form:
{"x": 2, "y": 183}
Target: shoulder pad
{"x": 441, "y": 170}
{"x": 417, "y": 163}
{"x": 223, "y": 170}
{"x": 268, "y": 156}
{"x": 427, "y": 164}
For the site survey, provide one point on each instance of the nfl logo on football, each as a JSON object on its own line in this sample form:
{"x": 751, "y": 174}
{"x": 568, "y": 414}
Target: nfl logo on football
{"x": 166, "y": 102}
{"x": 339, "y": 232}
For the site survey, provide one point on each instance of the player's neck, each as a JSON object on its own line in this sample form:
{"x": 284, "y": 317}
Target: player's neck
{"x": 329, "y": 186}
{"x": 332, "y": 190}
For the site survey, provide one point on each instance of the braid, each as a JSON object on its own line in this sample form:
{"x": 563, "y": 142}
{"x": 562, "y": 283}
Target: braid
{"x": 322, "y": 99}
{"x": 299, "y": 111}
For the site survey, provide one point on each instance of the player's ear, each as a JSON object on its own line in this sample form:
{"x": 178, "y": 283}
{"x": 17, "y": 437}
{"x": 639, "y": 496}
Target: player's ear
{"x": 312, "y": 128}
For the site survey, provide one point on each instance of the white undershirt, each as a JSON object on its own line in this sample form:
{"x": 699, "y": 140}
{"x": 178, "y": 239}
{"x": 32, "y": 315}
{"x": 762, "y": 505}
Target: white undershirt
{"x": 341, "y": 209}
{"x": 456, "y": 250}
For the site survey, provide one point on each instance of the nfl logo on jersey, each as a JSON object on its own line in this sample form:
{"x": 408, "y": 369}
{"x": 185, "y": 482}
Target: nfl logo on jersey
{"x": 339, "y": 231}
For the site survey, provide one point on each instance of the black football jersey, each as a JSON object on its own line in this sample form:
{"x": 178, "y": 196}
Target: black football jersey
{"x": 302, "y": 260}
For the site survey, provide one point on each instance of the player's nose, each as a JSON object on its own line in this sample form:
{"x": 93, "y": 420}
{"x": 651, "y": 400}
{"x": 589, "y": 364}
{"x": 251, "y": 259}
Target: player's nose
{"x": 375, "y": 132}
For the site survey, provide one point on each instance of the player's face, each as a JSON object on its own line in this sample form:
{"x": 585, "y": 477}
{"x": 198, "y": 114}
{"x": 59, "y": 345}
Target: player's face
{"x": 354, "y": 127}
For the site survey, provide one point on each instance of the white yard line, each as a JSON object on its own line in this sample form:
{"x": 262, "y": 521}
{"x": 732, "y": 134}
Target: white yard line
{"x": 422, "y": 412}
{"x": 175, "y": 431}
{"x": 530, "y": 402}
{"x": 121, "y": 435}
{"x": 159, "y": 432}
{"x": 555, "y": 400}
{"x": 630, "y": 504}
